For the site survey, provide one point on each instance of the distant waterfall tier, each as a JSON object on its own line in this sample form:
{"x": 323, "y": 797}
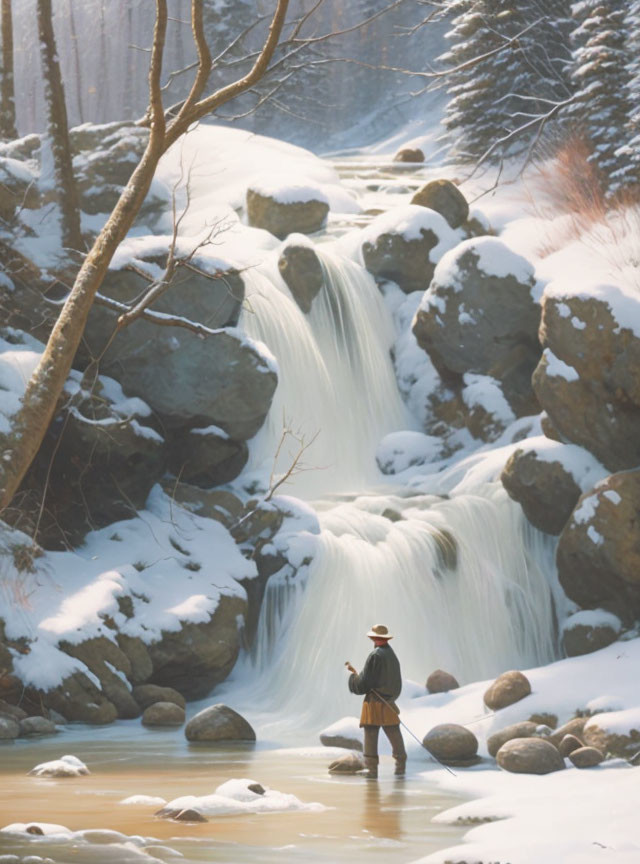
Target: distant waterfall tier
{"x": 336, "y": 384}
{"x": 460, "y": 582}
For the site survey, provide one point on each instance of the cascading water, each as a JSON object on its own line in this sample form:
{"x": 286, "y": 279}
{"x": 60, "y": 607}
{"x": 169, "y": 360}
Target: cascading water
{"x": 336, "y": 385}
{"x": 462, "y": 581}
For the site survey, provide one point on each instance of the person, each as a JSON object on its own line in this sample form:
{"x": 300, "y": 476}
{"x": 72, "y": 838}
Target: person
{"x": 380, "y": 682}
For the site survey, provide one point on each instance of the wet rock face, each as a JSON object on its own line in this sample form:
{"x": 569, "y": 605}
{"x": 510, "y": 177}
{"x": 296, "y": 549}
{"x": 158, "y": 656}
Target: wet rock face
{"x": 219, "y": 723}
{"x": 445, "y": 198}
{"x": 598, "y": 554}
{"x": 529, "y": 756}
{"x": 587, "y": 380}
{"x": 282, "y": 219}
{"x": 508, "y": 688}
{"x": 478, "y": 316}
{"x": 545, "y": 490}
{"x": 301, "y": 269}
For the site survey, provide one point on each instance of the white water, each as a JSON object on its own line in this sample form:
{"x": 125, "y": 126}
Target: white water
{"x": 464, "y": 583}
{"x": 336, "y": 386}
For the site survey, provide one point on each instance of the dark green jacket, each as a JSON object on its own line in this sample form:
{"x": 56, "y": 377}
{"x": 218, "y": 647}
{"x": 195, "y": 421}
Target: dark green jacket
{"x": 381, "y": 672}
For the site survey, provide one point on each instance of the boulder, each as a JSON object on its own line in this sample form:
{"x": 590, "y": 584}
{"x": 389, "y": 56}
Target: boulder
{"x": 508, "y": 688}
{"x": 441, "y": 682}
{"x": 107, "y": 458}
{"x": 598, "y": 553}
{"x": 287, "y": 209}
{"x": 525, "y": 729}
{"x": 195, "y": 658}
{"x": 529, "y": 756}
{"x": 219, "y": 723}
{"x": 586, "y": 380}
{"x": 13, "y": 711}
{"x": 163, "y": 714}
{"x": 409, "y": 154}
{"x": 137, "y": 653}
{"x": 189, "y": 379}
{"x": 445, "y": 198}
{"x": 110, "y": 665}
{"x": 475, "y": 403}
{"x": 9, "y": 728}
{"x": 28, "y": 297}
{"x": 33, "y": 726}
{"x": 149, "y": 694}
{"x": 18, "y": 188}
{"x": 218, "y": 504}
{"x": 345, "y": 733}
{"x": 573, "y": 727}
{"x": 78, "y": 698}
{"x": 350, "y": 763}
{"x": 405, "y": 244}
{"x": 206, "y": 456}
{"x": 545, "y": 489}
{"x": 568, "y": 744}
{"x": 585, "y": 632}
{"x": 617, "y": 733}
{"x": 479, "y": 316}
{"x": 586, "y": 757}
{"x": 450, "y": 743}
{"x": 302, "y": 271}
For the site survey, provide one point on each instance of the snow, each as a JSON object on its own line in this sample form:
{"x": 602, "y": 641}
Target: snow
{"x": 618, "y": 722}
{"x": 18, "y": 360}
{"x": 587, "y": 509}
{"x": 557, "y": 368}
{"x": 582, "y": 465}
{"x": 144, "y": 801}
{"x": 347, "y": 727}
{"x": 85, "y": 585}
{"x": 411, "y": 222}
{"x": 485, "y": 392}
{"x": 235, "y": 798}
{"x": 593, "y": 618}
{"x": 401, "y": 450}
{"x": 494, "y": 258}
{"x": 65, "y": 766}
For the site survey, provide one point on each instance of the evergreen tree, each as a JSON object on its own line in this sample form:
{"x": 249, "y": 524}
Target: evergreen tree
{"x": 602, "y": 107}
{"x": 628, "y": 155}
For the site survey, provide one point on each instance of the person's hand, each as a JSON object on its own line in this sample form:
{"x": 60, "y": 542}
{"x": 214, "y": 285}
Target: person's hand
{"x": 350, "y": 668}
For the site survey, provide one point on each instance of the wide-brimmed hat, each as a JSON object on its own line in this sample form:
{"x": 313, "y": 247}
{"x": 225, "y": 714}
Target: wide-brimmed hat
{"x": 379, "y": 631}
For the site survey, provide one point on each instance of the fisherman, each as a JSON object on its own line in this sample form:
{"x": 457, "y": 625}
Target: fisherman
{"x": 380, "y": 682}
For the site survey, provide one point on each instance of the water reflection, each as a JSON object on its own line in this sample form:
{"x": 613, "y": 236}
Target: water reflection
{"x": 382, "y": 814}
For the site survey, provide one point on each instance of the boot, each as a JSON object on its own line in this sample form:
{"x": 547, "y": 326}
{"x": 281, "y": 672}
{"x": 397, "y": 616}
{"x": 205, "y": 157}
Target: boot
{"x": 401, "y": 767}
{"x": 371, "y": 768}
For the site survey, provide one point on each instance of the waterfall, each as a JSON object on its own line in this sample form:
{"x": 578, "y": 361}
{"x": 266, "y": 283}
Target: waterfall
{"x": 464, "y": 582}
{"x": 460, "y": 582}
{"x": 336, "y": 385}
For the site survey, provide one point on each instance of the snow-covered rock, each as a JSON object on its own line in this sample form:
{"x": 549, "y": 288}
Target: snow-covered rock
{"x": 66, "y": 766}
{"x": 237, "y": 797}
{"x": 284, "y": 207}
{"x": 401, "y": 450}
{"x": 343, "y": 733}
{"x": 616, "y": 732}
{"x": 405, "y": 244}
{"x": 589, "y": 631}
{"x": 445, "y": 198}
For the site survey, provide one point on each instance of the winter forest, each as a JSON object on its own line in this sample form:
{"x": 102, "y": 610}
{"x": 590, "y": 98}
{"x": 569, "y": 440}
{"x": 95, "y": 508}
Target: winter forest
{"x": 319, "y": 431}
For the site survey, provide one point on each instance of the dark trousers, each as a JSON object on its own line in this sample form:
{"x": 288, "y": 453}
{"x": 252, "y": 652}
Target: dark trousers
{"x": 394, "y": 735}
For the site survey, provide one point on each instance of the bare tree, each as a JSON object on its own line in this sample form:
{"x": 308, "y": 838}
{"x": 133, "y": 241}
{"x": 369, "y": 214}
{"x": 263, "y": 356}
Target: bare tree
{"x": 58, "y": 130}
{"x": 7, "y": 90}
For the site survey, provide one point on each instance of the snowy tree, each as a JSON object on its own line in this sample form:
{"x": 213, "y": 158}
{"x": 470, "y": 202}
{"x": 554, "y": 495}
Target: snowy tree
{"x": 508, "y": 77}
{"x": 627, "y": 174}
{"x": 601, "y": 107}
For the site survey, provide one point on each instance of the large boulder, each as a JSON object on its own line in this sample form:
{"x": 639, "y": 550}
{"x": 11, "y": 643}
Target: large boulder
{"x": 525, "y": 729}
{"x": 405, "y": 244}
{"x": 78, "y": 698}
{"x": 189, "y": 379}
{"x": 445, "y": 198}
{"x": 545, "y": 478}
{"x": 218, "y": 504}
{"x": 508, "y": 688}
{"x": 302, "y": 271}
{"x": 206, "y": 456}
{"x": 9, "y": 728}
{"x": 616, "y": 732}
{"x": 28, "y": 297}
{"x": 286, "y": 208}
{"x": 529, "y": 756}
{"x": 32, "y": 727}
{"x": 598, "y": 554}
{"x": 97, "y": 464}
{"x": 344, "y": 733}
{"x": 587, "y": 380}
{"x": 219, "y": 723}
{"x": 451, "y": 743}
{"x": 480, "y": 316}
{"x": 588, "y": 631}
{"x": 195, "y": 658}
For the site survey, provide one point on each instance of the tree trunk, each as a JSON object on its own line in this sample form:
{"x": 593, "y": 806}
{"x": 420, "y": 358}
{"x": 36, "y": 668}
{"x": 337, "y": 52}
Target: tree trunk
{"x": 45, "y": 385}
{"x": 58, "y": 130}
{"x": 7, "y": 90}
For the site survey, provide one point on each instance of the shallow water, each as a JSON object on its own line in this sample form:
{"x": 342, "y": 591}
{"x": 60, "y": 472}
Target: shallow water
{"x": 388, "y": 820}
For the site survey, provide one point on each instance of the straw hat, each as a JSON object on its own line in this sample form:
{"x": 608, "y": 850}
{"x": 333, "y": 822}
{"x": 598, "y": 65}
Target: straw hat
{"x": 379, "y": 631}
